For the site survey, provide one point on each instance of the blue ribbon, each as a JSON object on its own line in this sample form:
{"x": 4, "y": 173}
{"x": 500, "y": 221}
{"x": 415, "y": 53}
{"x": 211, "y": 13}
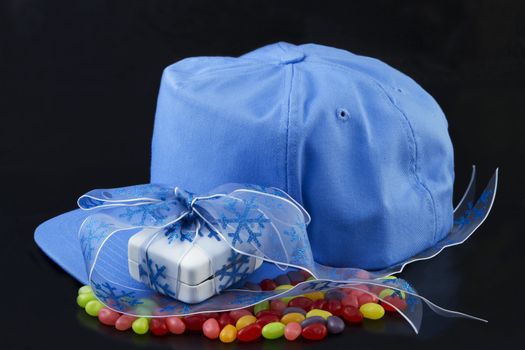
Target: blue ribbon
{"x": 261, "y": 222}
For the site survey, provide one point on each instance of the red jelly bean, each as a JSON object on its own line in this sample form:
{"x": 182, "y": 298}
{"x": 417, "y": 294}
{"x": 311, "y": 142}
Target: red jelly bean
{"x": 107, "y": 316}
{"x": 268, "y": 284}
{"x": 211, "y": 315}
{"x": 194, "y": 322}
{"x": 352, "y": 314}
{"x": 366, "y": 298}
{"x": 350, "y": 300}
{"x": 268, "y": 312}
{"x": 334, "y": 307}
{"x": 359, "y": 290}
{"x": 225, "y": 319}
{"x": 158, "y": 326}
{"x": 401, "y": 304}
{"x": 277, "y": 305}
{"x": 302, "y": 302}
{"x": 316, "y": 331}
{"x": 236, "y": 314}
{"x": 124, "y": 322}
{"x": 265, "y": 319}
{"x": 175, "y": 325}
{"x": 250, "y": 332}
{"x": 319, "y": 304}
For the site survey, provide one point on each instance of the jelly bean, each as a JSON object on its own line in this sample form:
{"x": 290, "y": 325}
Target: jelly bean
{"x": 316, "y": 331}
{"x": 140, "y": 325}
{"x": 124, "y": 322}
{"x": 93, "y": 307}
{"x": 225, "y": 319}
{"x": 245, "y": 321}
{"x": 318, "y": 304}
{"x": 314, "y": 295}
{"x": 334, "y": 307}
{"x": 301, "y": 302}
{"x": 236, "y": 314}
{"x": 264, "y": 305}
{"x": 211, "y": 328}
{"x": 372, "y": 311}
{"x": 84, "y": 298}
{"x": 392, "y": 302}
{"x": 292, "y": 317}
{"x": 311, "y": 278}
{"x": 85, "y": 289}
{"x": 316, "y": 312}
{"x": 283, "y": 287}
{"x": 334, "y": 294}
{"x": 335, "y": 325}
{"x": 350, "y": 300}
{"x": 265, "y": 319}
{"x": 228, "y": 334}
{"x": 352, "y": 314}
{"x": 175, "y": 325}
{"x": 107, "y": 316}
{"x": 306, "y": 274}
{"x": 366, "y": 298}
{"x": 282, "y": 279}
{"x": 277, "y": 305}
{"x": 268, "y": 312}
{"x": 389, "y": 292}
{"x": 194, "y": 322}
{"x": 211, "y": 315}
{"x": 296, "y": 277}
{"x": 158, "y": 326}
{"x": 252, "y": 286}
{"x": 359, "y": 290}
{"x": 267, "y": 284}
{"x": 273, "y": 330}
{"x": 312, "y": 320}
{"x": 250, "y": 332}
{"x": 290, "y": 309}
{"x": 292, "y": 331}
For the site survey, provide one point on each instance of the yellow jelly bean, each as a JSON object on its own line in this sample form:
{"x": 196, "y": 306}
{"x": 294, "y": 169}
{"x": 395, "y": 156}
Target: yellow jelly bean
{"x": 372, "y": 311}
{"x": 388, "y": 292}
{"x": 284, "y": 287}
{"x": 228, "y": 334}
{"x": 315, "y": 295}
{"x": 318, "y": 312}
{"x": 292, "y": 317}
{"x": 311, "y": 278}
{"x": 245, "y": 321}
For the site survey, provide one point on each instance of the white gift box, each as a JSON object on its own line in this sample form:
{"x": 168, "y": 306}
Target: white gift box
{"x": 187, "y": 271}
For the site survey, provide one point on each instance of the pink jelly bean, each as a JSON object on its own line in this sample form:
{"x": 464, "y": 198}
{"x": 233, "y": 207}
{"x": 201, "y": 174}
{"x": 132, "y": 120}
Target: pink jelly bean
{"x": 211, "y": 328}
{"x": 292, "y": 331}
{"x": 175, "y": 325}
{"x": 124, "y": 322}
{"x": 236, "y": 314}
{"x": 107, "y": 316}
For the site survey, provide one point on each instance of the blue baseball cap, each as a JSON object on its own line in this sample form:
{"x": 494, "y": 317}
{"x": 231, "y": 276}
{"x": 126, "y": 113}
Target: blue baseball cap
{"x": 359, "y": 144}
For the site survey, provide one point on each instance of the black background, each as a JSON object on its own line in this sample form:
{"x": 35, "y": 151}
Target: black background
{"x": 78, "y": 86}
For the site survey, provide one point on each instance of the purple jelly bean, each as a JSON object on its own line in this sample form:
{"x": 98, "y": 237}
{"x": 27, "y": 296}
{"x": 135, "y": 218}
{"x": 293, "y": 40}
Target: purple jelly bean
{"x": 335, "y": 325}
{"x": 282, "y": 279}
{"x": 291, "y": 309}
{"x": 295, "y": 277}
{"x": 334, "y": 294}
{"x": 312, "y": 320}
{"x": 252, "y": 286}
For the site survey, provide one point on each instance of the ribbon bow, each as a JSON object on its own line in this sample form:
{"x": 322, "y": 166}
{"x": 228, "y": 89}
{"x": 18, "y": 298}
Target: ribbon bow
{"x": 261, "y": 222}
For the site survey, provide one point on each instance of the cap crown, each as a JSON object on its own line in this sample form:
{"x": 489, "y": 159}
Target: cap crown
{"x": 363, "y": 147}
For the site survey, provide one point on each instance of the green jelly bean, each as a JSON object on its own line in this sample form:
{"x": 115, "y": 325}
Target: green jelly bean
{"x": 264, "y": 305}
{"x": 140, "y": 325}
{"x": 273, "y": 330}
{"x": 85, "y": 289}
{"x": 93, "y": 307}
{"x": 84, "y": 298}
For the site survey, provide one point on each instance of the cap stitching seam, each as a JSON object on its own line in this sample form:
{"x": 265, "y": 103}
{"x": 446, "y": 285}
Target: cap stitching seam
{"x": 289, "y": 103}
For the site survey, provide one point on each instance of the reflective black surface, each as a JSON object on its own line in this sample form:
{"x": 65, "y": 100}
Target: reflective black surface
{"x": 78, "y": 86}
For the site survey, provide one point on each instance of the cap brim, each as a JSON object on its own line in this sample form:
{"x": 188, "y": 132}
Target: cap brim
{"x": 58, "y": 238}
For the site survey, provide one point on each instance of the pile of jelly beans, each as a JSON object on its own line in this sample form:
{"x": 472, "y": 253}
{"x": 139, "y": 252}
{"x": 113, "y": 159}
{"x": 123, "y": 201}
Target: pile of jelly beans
{"x": 311, "y": 316}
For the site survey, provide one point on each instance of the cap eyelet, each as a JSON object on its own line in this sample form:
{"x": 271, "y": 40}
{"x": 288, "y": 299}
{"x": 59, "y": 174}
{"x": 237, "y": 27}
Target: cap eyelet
{"x": 343, "y": 114}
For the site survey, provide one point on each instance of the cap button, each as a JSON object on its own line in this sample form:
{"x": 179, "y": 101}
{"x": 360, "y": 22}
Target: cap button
{"x": 291, "y": 56}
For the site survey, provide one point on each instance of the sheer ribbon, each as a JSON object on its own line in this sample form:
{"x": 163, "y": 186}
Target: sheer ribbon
{"x": 255, "y": 221}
